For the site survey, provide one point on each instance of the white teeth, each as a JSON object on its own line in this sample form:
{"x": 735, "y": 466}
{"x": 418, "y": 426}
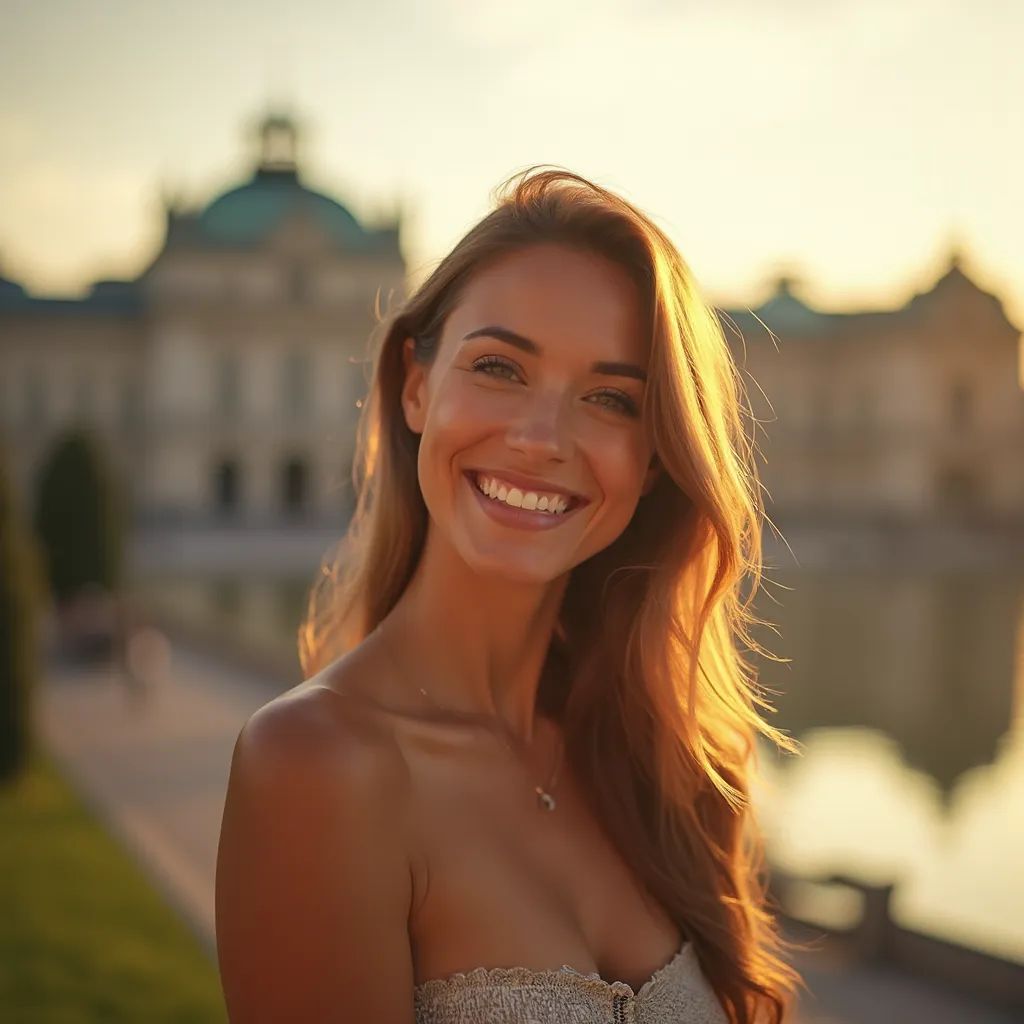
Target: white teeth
{"x": 516, "y": 498}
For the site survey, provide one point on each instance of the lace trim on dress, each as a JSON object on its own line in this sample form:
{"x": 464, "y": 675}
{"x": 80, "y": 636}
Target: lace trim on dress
{"x": 564, "y": 975}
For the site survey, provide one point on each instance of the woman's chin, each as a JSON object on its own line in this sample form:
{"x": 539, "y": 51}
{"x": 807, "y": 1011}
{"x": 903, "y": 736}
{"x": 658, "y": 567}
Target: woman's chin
{"x": 502, "y": 566}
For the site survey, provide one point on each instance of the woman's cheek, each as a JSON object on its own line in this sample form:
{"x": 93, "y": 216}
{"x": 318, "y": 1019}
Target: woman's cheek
{"x": 468, "y": 405}
{"x": 621, "y": 482}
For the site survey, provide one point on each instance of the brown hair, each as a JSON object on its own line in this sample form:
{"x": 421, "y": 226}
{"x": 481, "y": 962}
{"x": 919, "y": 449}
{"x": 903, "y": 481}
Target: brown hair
{"x": 659, "y": 709}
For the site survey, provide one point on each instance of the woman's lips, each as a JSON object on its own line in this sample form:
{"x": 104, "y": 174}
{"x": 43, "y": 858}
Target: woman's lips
{"x": 517, "y": 517}
{"x": 527, "y": 484}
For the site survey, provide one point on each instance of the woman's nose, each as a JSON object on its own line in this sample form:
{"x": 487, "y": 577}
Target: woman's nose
{"x": 542, "y": 429}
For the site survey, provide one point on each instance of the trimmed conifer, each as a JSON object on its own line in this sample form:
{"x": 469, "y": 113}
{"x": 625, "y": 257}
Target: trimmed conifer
{"x": 20, "y": 593}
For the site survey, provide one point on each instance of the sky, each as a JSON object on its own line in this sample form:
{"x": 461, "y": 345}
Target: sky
{"x": 849, "y": 142}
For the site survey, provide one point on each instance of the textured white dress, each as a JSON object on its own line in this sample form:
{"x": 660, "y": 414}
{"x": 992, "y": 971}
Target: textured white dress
{"x": 677, "y": 993}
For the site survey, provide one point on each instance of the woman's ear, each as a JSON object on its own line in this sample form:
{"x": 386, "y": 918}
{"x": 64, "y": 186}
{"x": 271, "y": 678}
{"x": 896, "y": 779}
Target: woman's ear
{"x": 414, "y": 388}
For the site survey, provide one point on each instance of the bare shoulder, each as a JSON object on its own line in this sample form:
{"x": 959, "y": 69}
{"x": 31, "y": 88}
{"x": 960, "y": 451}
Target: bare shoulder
{"x": 332, "y": 729}
{"x": 314, "y": 883}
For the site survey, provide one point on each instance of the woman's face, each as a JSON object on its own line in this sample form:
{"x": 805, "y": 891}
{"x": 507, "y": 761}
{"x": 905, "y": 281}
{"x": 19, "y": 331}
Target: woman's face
{"x": 539, "y": 374}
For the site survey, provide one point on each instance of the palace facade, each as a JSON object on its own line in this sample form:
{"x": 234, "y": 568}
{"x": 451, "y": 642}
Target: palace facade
{"x": 224, "y": 380}
{"x": 906, "y": 416}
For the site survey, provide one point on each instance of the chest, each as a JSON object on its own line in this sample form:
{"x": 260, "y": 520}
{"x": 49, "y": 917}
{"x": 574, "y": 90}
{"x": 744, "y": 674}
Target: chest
{"x": 503, "y": 882}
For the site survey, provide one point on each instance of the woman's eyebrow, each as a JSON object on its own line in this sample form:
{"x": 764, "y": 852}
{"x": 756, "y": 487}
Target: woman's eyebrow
{"x": 512, "y": 338}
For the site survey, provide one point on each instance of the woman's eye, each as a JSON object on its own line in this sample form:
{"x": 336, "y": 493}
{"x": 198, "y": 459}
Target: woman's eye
{"x": 485, "y": 364}
{"x": 619, "y": 401}
{"x": 495, "y": 366}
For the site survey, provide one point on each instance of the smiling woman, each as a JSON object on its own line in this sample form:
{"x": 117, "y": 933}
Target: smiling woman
{"x": 515, "y": 782}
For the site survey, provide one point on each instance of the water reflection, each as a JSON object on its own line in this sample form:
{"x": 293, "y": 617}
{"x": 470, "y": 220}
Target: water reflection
{"x": 904, "y": 688}
{"x": 928, "y": 660}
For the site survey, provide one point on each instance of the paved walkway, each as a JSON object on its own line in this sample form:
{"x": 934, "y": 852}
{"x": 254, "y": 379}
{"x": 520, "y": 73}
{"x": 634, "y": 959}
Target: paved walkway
{"x": 153, "y": 764}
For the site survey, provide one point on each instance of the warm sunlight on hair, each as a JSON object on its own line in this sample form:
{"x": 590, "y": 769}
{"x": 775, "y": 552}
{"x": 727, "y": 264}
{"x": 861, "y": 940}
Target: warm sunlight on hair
{"x": 660, "y": 709}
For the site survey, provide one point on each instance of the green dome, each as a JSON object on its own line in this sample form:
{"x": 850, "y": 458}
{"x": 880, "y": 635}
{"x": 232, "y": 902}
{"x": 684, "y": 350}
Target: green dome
{"x": 247, "y": 214}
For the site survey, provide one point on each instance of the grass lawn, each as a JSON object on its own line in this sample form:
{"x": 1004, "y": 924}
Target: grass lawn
{"x": 84, "y": 937}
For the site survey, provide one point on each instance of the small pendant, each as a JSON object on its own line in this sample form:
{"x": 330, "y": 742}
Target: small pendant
{"x": 546, "y": 800}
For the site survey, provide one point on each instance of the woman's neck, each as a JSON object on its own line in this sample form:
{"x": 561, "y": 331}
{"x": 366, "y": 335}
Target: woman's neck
{"x": 477, "y": 644}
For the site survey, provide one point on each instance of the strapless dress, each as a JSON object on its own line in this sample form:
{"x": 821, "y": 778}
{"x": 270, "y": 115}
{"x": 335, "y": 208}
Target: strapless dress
{"x": 677, "y": 993}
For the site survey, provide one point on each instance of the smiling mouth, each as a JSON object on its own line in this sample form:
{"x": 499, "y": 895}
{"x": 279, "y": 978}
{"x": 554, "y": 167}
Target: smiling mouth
{"x": 571, "y": 502}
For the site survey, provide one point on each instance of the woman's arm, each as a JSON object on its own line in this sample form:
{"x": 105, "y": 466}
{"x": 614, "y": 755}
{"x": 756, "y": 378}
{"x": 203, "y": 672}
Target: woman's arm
{"x": 314, "y": 885}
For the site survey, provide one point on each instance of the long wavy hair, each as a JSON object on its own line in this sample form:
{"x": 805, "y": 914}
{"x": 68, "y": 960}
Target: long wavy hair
{"x": 659, "y": 709}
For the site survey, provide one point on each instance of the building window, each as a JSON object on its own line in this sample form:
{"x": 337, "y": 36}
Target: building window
{"x": 228, "y": 394}
{"x": 296, "y": 384}
{"x": 226, "y": 594}
{"x": 227, "y": 487}
{"x": 294, "y": 486}
{"x": 961, "y": 404}
{"x": 959, "y": 489}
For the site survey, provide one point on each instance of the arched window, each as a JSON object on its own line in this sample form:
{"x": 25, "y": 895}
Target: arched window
{"x": 227, "y": 486}
{"x": 294, "y": 486}
{"x": 959, "y": 489}
{"x": 961, "y": 404}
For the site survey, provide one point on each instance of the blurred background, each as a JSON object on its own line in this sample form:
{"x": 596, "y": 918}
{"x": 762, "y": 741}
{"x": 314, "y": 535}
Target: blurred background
{"x": 204, "y": 207}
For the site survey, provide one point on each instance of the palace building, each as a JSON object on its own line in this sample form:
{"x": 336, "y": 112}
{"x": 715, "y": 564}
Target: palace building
{"x": 905, "y": 416}
{"x": 224, "y": 381}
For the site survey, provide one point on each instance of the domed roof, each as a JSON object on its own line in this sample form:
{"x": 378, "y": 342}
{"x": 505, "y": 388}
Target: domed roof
{"x": 785, "y": 310}
{"x": 247, "y": 214}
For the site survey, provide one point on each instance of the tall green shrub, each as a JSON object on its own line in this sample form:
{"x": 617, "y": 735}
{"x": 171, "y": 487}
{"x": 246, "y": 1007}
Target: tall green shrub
{"x": 20, "y": 592}
{"x": 78, "y": 518}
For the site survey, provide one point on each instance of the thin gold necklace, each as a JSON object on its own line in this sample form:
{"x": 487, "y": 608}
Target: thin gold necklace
{"x": 545, "y": 799}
